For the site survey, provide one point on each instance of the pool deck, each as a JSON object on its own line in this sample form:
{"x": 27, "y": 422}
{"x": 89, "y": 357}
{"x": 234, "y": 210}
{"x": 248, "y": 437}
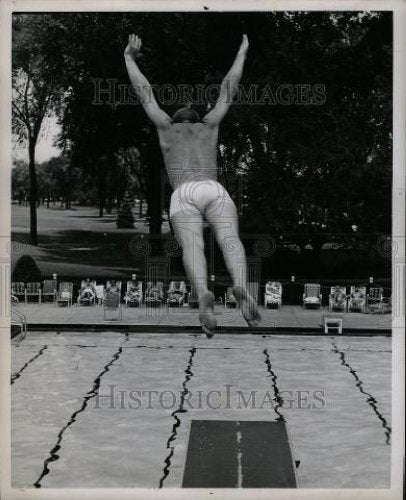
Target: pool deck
{"x": 287, "y": 319}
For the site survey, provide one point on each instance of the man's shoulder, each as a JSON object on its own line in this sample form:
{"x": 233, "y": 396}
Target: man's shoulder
{"x": 206, "y": 129}
{"x": 198, "y": 128}
{"x": 208, "y": 122}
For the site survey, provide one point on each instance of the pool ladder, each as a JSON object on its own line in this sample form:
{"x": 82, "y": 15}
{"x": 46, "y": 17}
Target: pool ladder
{"x": 19, "y": 319}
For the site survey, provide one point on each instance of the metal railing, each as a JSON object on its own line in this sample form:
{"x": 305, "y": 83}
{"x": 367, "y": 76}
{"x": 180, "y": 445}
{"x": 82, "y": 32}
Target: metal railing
{"x": 18, "y": 318}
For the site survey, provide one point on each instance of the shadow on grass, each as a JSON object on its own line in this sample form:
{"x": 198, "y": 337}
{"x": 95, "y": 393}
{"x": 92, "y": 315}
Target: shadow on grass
{"x": 96, "y": 218}
{"x": 91, "y": 248}
{"x": 106, "y": 251}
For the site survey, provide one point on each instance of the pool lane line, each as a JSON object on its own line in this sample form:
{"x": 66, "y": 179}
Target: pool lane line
{"x": 277, "y": 396}
{"x": 372, "y": 402}
{"x": 17, "y": 375}
{"x": 174, "y": 434}
{"x": 53, "y": 456}
{"x": 80, "y": 345}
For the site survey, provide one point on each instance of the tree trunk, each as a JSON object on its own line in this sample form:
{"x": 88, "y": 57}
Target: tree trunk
{"x": 101, "y": 207}
{"x": 33, "y": 193}
{"x": 155, "y": 189}
{"x": 170, "y": 226}
{"x": 68, "y": 188}
{"x": 101, "y": 202}
{"x": 316, "y": 246}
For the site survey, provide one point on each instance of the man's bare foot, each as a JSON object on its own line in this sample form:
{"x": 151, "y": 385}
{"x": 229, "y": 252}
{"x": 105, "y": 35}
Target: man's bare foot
{"x": 247, "y": 305}
{"x": 206, "y": 315}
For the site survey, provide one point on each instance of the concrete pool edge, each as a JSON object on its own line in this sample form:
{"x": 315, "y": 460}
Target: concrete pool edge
{"x": 140, "y": 328}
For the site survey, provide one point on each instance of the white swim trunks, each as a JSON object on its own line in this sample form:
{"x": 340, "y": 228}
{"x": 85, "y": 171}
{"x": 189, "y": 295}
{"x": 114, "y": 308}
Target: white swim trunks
{"x": 199, "y": 198}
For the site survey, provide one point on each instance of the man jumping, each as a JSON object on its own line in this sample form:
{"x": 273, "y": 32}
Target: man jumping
{"x": 189, "y": 149}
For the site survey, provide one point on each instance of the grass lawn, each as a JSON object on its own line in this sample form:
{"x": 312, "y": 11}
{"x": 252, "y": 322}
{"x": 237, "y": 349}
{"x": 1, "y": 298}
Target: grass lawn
{"x": 77, "y": 243}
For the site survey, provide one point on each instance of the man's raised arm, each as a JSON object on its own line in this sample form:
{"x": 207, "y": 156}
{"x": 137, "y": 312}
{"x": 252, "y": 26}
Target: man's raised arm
{"x": 141, "y": 85}
{"x": 229, "y": 86}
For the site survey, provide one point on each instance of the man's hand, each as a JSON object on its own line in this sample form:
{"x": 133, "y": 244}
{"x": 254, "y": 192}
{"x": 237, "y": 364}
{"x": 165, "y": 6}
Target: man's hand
{"x": 244, "y": 45}
{"x": 133, "y": 47}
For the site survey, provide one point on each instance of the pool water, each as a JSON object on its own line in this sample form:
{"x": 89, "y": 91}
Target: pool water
{"x": 113, "y": 410}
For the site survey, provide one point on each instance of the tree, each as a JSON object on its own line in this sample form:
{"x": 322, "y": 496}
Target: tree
{"x": 20, "y": 182}
{"x": 310, "y": 172}
{"x": 35, "y": 92}
{"x": 56, "y": 179}
{"x": 131, "y": 176}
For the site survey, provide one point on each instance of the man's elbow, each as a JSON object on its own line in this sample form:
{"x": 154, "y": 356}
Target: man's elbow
{"x": 230, "y": 86}
{"x": 232, "y": 78}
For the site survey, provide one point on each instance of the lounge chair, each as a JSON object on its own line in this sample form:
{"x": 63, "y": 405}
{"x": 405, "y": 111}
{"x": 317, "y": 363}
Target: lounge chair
{"x": 113, "y": 286}
{"x": 374, "y": 299}
{"x": 386, "y": 305}
{"x": 357, "y": 299}
{"x": 193, "y": 301}
{"x": 229, "y": 299}
{"x": 49, "y": 289}
{"x": 312, "y": 296}
{"x": 273, "y": 294}
{"x": 87, "y": 293}
{"x": 154, "y": 294}
{"x": 176, "y": 293}
{"x": 99, "y": 289}
{"x": 18, "y": 290}
{"x": 33, "y": 290}
{"x": 337, "y": 300}
{"x": 18, "y": 324}
{"x": 111, "y": 303}
{"x": 65, "y": 294}
{"x": 133, "y": 296}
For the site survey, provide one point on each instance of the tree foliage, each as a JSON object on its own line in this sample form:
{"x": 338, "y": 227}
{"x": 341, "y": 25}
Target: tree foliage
{"x": 36, "y": 92}
{"x": 305, "y": 172}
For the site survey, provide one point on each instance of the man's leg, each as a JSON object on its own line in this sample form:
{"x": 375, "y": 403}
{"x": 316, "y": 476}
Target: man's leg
{"x": 224, "y": 223}
{"x": 189, "y": 232}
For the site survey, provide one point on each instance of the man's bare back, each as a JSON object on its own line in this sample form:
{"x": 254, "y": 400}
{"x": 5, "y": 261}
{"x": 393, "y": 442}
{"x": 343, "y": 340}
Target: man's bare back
{"x": 189, "y": 146}
{"x": 189, "y": 151}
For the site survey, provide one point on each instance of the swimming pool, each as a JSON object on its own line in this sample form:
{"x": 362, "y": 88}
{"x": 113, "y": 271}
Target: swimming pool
{"x": 110, "y": 409}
